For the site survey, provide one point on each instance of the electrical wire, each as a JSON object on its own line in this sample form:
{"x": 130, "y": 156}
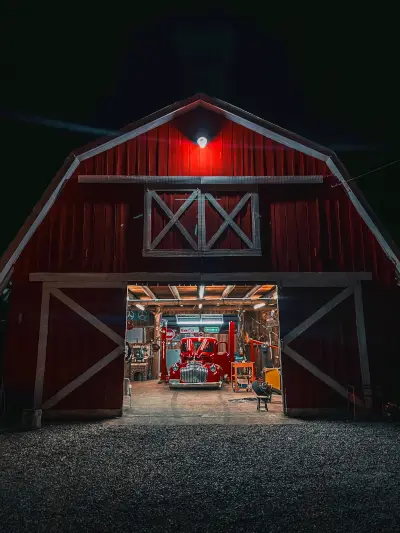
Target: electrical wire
{"x": 366, "y": 173}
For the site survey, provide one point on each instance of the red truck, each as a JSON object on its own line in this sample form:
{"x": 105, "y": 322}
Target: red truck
{"x": 201, "y": 365}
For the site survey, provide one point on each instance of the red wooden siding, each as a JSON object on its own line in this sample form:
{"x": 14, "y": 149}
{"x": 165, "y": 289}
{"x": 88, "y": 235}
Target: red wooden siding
{"x": 74, "y": 345}
{"x": 99, "y": 228}
{"x": 330, "y": 344}
{"x": 234, "y": 151}
{"x": 22, "y": 344}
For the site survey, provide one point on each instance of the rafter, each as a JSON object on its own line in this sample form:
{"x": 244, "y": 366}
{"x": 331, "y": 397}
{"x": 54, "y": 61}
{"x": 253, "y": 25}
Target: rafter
{"x": 132, "y": 297}
{"x": 228, "y": 289}
{"x": 149, "y": 292}
{"x": 175, "y": 291}
{"x": 253, "y": 291}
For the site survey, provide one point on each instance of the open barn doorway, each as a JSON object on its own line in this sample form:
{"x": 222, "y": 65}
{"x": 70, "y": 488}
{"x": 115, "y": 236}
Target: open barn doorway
{"x": 203, "y": 346}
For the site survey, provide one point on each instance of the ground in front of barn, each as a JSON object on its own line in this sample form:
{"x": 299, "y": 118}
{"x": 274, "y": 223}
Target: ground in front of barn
{"x": 205, "y": 477}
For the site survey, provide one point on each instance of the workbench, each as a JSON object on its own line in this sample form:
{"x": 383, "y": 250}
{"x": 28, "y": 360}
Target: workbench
{"x": 247, "y": 373}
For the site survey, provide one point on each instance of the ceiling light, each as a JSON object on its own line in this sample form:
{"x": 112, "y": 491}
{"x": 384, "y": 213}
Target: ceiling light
{"x": 201, "y": 292}
{"x": 200, "y": 306}
{"x": 257, "y": 306}
{"x": 202, "y": 141}
{"x": 200, "y": 322}
{"x": 141, "y": 307}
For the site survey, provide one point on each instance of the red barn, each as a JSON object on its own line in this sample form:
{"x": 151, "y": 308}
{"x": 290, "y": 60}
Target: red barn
{"x": 256, "y": 205}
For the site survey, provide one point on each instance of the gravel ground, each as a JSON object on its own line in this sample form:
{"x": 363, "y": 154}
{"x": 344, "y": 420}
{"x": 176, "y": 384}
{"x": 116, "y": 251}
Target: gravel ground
{"x": 319, "y": 477}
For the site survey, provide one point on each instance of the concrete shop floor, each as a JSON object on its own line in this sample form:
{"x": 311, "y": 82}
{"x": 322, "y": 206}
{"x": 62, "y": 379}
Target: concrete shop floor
{"x": 154, "y": 403}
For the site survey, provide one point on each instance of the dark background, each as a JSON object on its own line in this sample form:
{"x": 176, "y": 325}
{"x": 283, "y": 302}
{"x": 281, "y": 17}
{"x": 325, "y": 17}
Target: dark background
{"x": 328, "y": 73}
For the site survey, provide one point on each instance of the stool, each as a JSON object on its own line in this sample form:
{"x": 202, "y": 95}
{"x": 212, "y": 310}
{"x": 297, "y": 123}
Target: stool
{"x": 265, "y": 399}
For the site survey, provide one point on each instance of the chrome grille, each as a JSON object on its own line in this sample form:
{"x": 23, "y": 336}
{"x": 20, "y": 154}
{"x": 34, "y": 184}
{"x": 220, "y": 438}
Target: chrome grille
{"x": 194, "y": 373}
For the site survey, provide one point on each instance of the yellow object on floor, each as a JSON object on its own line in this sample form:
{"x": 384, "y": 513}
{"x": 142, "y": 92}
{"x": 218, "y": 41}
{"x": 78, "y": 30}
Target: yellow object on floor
{"x": 273, "y": 377}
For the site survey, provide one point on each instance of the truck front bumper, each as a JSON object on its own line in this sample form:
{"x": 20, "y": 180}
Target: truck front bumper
{"x": 176, "y": 384}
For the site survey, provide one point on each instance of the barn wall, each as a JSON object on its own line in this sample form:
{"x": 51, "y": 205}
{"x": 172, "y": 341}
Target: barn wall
{"x": 22, "y": 345}
{"x": 99, "y": 228}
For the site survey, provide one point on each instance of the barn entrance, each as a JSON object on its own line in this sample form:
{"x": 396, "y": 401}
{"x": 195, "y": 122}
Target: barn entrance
{"x": 319, "y": 365}
{"x": 204, "y": 344}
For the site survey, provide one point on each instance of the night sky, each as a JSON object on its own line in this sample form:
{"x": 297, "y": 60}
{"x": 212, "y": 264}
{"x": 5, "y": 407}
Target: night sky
{"x": 331, "y": 76}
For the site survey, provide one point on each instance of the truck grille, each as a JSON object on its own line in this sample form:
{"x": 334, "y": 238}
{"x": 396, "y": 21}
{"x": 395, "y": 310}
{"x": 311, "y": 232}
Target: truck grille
{"x": 194, "y": 373}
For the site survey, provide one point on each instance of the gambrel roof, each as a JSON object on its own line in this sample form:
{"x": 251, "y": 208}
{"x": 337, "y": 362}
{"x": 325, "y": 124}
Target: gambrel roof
{"x": 165, "y": 115}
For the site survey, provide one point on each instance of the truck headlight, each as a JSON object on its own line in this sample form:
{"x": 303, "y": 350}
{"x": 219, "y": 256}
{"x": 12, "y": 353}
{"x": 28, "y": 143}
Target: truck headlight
{"x": 175, "y": 368}
{"x": 213, "y": 368}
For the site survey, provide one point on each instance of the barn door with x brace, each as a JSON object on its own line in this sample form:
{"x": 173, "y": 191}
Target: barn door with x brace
{"x": 80, "y": 365}
{"x": 324, "y": 359}
{"x": 191, "y": 222}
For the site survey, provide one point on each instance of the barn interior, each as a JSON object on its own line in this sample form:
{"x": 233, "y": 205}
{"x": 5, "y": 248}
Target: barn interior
{"x": 243, "y": 318}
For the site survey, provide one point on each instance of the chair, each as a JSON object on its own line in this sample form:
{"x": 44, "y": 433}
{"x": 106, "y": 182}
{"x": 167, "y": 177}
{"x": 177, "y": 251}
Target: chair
{"x": 265, "y": 400}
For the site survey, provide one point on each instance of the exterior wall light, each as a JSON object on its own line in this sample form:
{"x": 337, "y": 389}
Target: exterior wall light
{"x": 202, "y": 141}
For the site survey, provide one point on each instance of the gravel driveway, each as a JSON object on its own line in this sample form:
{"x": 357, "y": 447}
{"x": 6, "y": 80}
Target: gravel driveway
{"x": 319, "y": 477}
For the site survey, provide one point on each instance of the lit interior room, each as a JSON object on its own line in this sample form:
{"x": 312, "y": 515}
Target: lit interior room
{"x": 197, "y": 337}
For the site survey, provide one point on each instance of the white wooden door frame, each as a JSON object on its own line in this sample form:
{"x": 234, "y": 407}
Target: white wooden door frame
{"x": 355, "y": 290}
{"x": 53, "y": 288}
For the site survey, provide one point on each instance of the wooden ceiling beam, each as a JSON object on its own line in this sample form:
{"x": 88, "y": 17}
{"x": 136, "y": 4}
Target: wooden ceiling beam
{"x": 240, "y": 302}
{"x": 228, "y": 289}
{"x": 175, "y": 291}
{"x": 149, "y": 292}
{"x": 253, "y": 291}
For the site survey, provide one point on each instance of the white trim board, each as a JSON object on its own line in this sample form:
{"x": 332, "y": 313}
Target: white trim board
{"x": 284, "y": 279}
{"x": 201, "y": 180}
{"x": 251, "y": 123}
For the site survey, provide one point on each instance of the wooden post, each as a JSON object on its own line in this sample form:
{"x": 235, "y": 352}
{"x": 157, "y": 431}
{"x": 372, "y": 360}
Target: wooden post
{"x": 362, "y": 347}
{"x": 157, "y": 339}
{"x": 232, "y": 342}
{"x": 252, "y": 352}
{"x": 163, "y": 377}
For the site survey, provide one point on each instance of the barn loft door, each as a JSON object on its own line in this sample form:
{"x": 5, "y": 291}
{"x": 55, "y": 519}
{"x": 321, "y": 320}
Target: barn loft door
{"x": 80, "y": 353}
{"x": 322, "y": 337}
{"x": 196, "y": 223}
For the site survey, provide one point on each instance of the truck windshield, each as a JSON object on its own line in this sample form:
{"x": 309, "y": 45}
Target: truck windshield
{"x": 207, "y": 347}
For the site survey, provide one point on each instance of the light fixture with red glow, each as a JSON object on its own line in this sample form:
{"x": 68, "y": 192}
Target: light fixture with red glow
{"x": 202, "y": 141}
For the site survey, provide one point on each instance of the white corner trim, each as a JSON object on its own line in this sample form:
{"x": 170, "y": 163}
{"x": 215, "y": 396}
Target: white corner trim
{"x": 363, "y": 214}
{"x": 42, "y": 347}
{"x": 362, "y": 345}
